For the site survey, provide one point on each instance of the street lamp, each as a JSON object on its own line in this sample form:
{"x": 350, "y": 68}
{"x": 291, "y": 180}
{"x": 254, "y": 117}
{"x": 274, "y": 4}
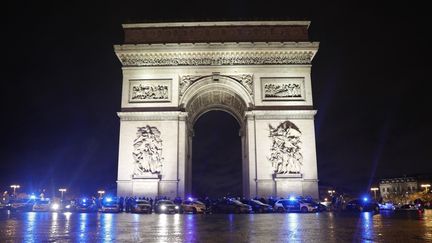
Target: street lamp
{"x": 62, "y": 190}
{"x": 374, "y": 189}
{"x": 14, "y": 188}
{"x": 426, "y": 186}
{"x": 101, "y": 192}
{"x": 331, "y": 192}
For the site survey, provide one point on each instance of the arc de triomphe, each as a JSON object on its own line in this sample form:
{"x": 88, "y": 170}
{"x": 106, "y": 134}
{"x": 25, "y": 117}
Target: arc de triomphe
{"x": 259, "y": 72}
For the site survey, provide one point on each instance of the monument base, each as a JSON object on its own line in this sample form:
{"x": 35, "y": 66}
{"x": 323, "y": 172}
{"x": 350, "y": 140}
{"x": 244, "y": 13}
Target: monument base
{"x": 146, "y": 185}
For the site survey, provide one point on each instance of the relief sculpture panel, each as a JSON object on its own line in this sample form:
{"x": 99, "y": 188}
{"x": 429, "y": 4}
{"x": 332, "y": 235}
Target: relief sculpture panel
{"x": 285, "y": 151}
{"x": 141, "y": 91}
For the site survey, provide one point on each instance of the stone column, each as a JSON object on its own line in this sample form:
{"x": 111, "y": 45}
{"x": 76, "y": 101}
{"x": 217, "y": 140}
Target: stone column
{"x": 182, "y": 154}
{"x": 249, "y": 163}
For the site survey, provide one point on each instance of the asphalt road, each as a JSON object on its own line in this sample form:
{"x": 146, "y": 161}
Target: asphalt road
{"x": 293, "y": 227}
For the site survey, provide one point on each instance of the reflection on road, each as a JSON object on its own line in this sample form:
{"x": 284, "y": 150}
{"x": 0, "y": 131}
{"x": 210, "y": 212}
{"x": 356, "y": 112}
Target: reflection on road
{"x": 320, "y": 227}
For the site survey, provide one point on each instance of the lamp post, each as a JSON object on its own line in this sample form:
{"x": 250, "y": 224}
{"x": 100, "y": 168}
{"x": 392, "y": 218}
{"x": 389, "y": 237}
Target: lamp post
{"x": 426, "y": 186}
{"x": 374, "y": 189}
{"x": 14, "y": 188}
{"x": 62, "y": 190}
{"x": 101, "y": 192}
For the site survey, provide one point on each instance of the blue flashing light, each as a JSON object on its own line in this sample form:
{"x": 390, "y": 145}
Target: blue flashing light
{"x": 108, "y": 199}
{"x": 365, "y": 199}
{"x": 292, "y": 198}
{"x": 84, "y": 200}
{"x": 190, "y": 199}
{"x": 32, "y": 197}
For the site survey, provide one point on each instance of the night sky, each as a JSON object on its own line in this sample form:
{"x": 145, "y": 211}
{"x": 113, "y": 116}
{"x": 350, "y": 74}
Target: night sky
{"x": 61, "y": 87}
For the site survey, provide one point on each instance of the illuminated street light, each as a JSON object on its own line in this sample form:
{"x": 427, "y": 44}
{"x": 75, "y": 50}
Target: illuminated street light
{"x": 14, "y": 188}
{"x": 101, "y": 192}
{"x": 331, "y": 192}
{"x": 374, "y": 189}
{"x": 426, "y": 186}
{"x": 62, "y": 190}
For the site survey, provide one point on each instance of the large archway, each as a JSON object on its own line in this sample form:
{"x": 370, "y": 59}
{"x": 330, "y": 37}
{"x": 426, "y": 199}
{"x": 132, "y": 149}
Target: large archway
{"x": 216, "y": 156}
{"x": 226, "y": 95}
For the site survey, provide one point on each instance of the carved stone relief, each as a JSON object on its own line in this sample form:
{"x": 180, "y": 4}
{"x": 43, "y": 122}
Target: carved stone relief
{"x": 246, "y": 80}
{"x": 282, "y": 89}
{"x": 149, "y": 91}
{"x": 285, "y": 151}
{"x": 147, "y": 152}
{"x": 216, "y": 58}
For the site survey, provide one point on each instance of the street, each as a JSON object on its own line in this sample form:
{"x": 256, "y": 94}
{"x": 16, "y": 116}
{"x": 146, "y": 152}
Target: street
{"x": 291, "y": 227}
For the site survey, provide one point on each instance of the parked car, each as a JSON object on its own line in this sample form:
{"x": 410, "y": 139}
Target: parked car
{"x": 166, "y": 206}
{"x": 230, "y": 206}
{"x": 41, "y": 205}
{"x": 141, "y": 206}
{"x": 258, "y": 206}
{"x": 410, "y": 207}
{"x": 386, "y": 206}
{"x": 362, "y": 205}
{"x": 69, "y": 205}
{"x": 294, "y": 205}
{"x": 193, "y": 206}
{"x": 86, "y": 205}
{"x": 110, "y": 205}
{"x": 20, "y": 204}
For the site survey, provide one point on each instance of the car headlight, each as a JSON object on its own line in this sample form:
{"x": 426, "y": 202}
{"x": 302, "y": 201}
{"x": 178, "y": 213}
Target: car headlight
{"x": 176, "y": 207}
{"x": 163, "y": 207}
{"x": 55, "y": 206}
{"x": 68, "y": 206}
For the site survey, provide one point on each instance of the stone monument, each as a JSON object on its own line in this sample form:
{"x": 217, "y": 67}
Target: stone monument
{"x": 259, "y": 72}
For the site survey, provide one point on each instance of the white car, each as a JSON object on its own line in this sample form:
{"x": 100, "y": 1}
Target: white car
{"x": 294, "y": 205}
{"x": 192, "y": 206}
{"x": 41, "y": 205}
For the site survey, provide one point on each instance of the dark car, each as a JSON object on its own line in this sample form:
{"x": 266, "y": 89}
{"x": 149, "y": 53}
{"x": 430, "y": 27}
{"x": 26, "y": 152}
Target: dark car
{"x": 362, "y": 205}
{"x": 258, "y": 206}
{"x": 410, "y": 207}
{"x": 230, "y": 206}
{"x": 21, "y": 204}
{"x": 86, "y": 205}
{"x": 166, "y": 206}
{"x": 141, "y": 206}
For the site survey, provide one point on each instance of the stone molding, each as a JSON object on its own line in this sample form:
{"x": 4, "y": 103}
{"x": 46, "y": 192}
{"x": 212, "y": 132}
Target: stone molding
{"x": 215, "y": 23}
{"x": 286, "y": 114}
{"x": 210, "y": 54}
{"x": 152, "y": 116}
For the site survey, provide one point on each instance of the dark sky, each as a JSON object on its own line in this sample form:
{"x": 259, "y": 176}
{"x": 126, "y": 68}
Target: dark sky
{"x": 61, "y": 85}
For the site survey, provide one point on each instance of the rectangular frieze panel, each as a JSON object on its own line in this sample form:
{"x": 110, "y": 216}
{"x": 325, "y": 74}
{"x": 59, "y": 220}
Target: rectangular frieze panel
{"x": 149, "y": 90}
{"x": 283, "y": 89}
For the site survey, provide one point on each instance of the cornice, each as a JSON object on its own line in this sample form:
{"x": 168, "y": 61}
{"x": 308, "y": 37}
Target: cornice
{"x": 217, "y": 23}
{"x": 185, "y": 55}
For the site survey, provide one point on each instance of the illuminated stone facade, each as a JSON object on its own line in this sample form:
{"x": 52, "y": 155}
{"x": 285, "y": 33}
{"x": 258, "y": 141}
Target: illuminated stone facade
{"x": 168, "y": 84}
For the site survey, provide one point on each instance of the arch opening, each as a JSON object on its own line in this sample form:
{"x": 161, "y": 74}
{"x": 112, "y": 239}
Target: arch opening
{"x": 216, "y": 155}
